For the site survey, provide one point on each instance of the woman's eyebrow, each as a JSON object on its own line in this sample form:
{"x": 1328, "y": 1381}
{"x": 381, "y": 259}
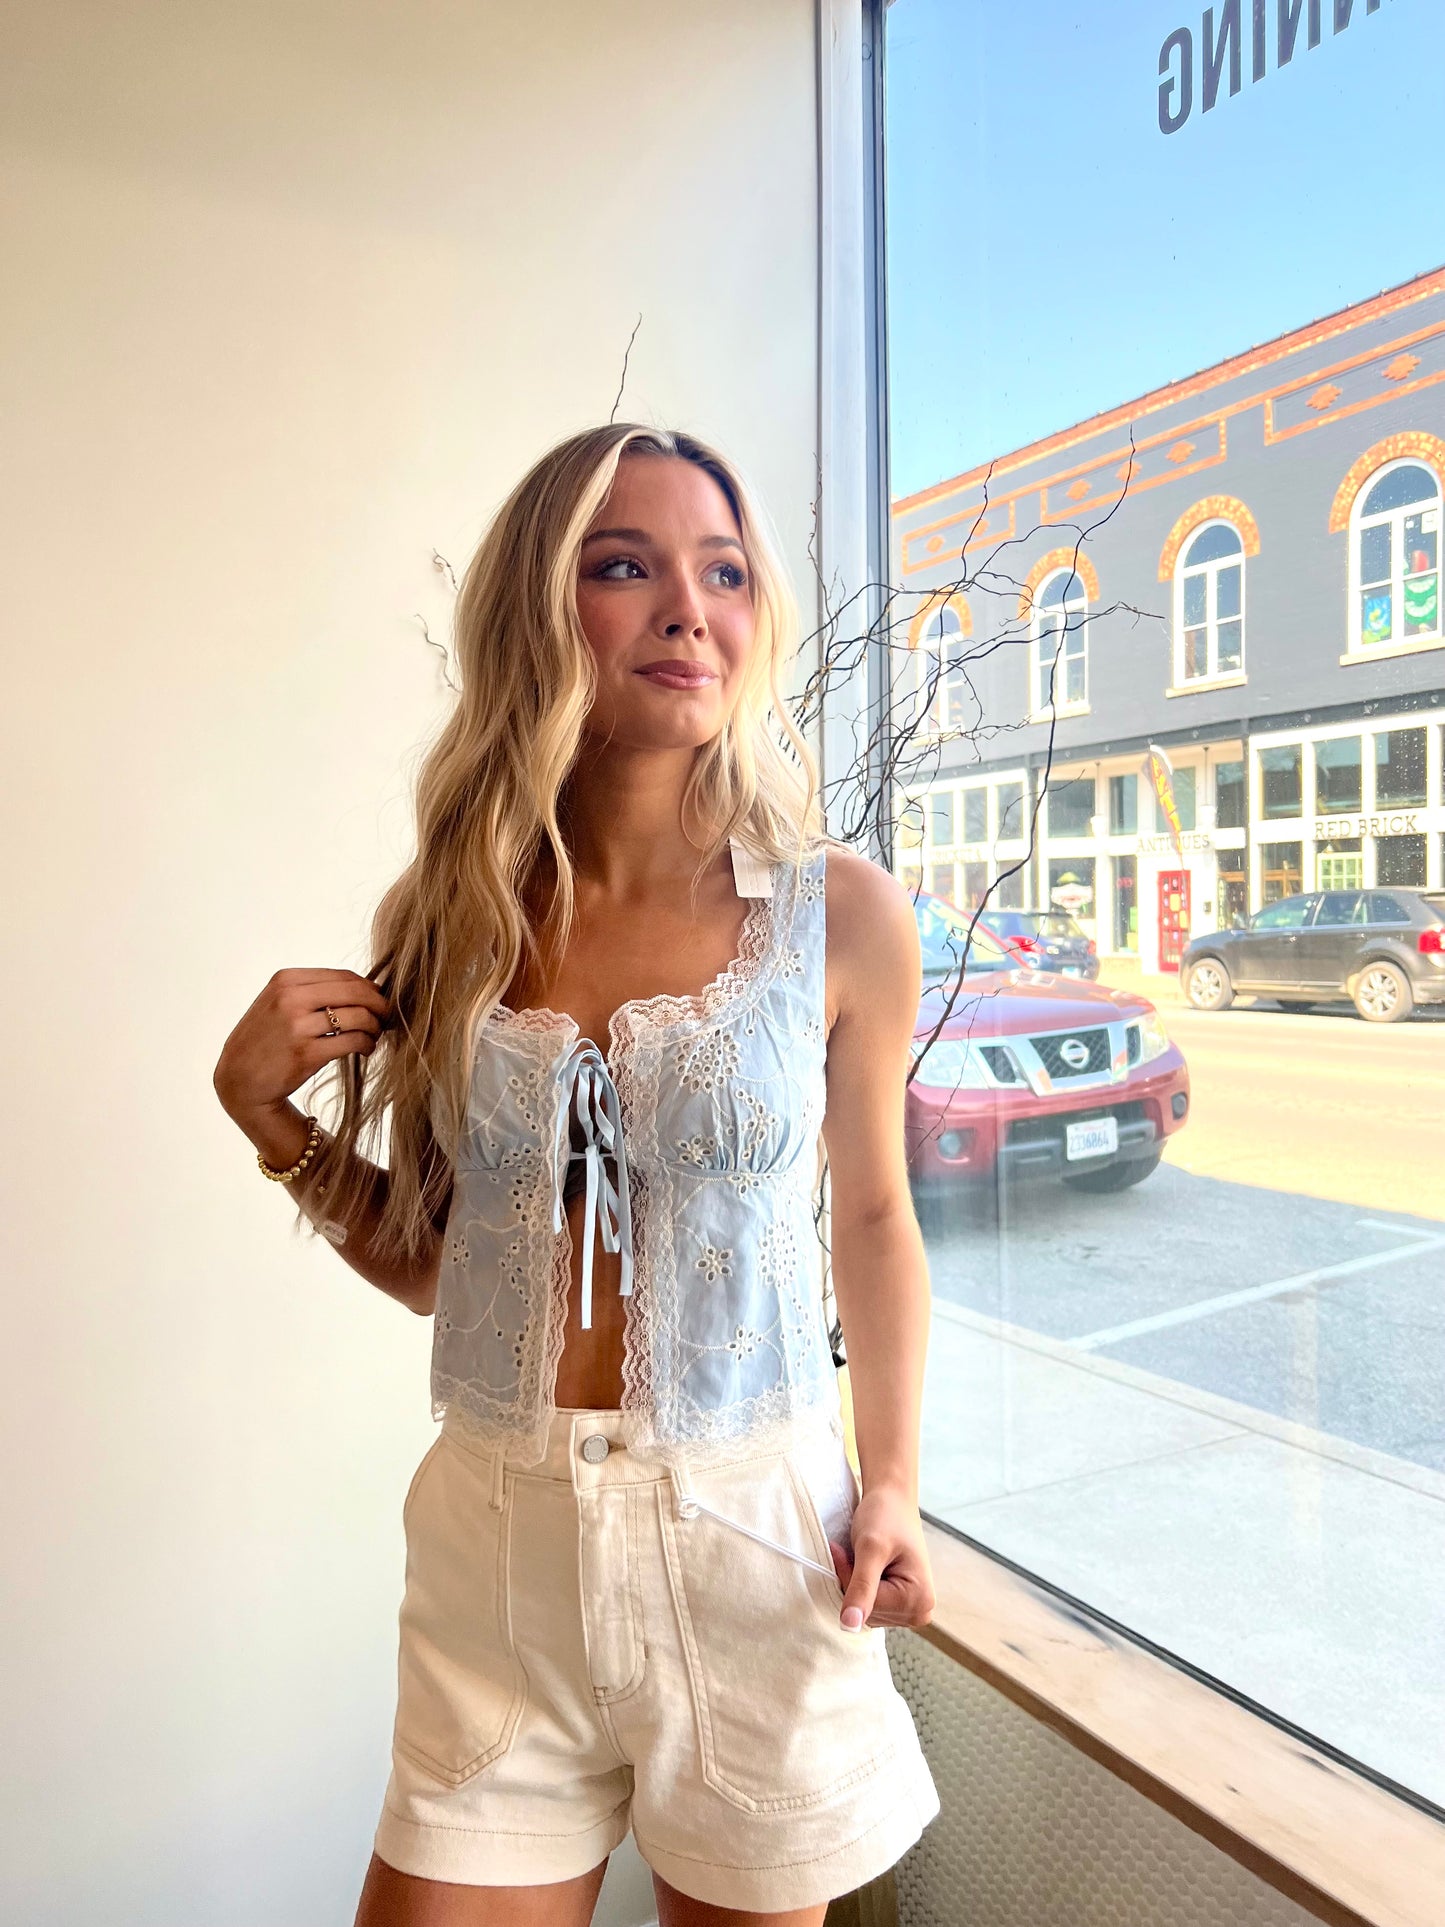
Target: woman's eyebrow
{"x": 641, "y": 537}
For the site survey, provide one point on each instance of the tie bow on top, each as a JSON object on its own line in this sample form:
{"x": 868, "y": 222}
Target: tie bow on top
{"x": 588, "y": 1083}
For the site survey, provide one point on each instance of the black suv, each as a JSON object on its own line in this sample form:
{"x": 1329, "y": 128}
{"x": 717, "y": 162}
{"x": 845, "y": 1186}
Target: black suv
{"x": 1384, "y": 949}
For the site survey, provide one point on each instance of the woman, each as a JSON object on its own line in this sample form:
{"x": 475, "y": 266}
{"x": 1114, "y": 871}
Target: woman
{"x": 643, "y": 1587}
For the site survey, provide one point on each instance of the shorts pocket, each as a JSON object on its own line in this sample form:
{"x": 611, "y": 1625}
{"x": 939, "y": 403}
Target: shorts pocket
{"x": 788, "y": 1702}
{"x": 460, "y": 1685}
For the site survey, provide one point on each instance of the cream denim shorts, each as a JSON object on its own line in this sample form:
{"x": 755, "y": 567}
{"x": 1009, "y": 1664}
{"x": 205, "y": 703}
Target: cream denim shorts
{"x": 581, "y": 1653}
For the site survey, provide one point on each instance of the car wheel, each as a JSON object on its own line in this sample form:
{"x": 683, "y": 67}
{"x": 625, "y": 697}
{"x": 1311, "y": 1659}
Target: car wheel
{"x": 1115, "y": 1177}
{"x": 1382, "y": 994}
{"x": 1209, "y": 987}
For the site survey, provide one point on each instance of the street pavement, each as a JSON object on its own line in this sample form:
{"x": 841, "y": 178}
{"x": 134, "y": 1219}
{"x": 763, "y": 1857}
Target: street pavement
{"x": 1213, "y": 1406}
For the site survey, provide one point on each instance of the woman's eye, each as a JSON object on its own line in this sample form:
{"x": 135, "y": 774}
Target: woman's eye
{"x": 740, "y": 579}
{"x": 618, "y": 562}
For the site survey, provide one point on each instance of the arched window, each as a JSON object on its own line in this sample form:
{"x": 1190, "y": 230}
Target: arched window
{"x": 1209, "y": 605}
{"x": 939, "y": 693}
{"x": 1395, "y": 557}
{"x": 1061, "y": 643}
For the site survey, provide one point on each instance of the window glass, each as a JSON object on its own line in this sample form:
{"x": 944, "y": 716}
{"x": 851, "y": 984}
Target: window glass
{"x": 1124, "y": 805}
{"x": 1279, "y": 773}
{"x": 1400, "y": 859}
{"x": 1337, "y": 774}
{"x": 1288, "y": 915}
{"x": 1070, "y": 807}
{"x": 1340, "y": 907}
{"x": 1011, "y": 819}
{"x": 1229, "y": 790}
{"x": 940, "y": 819}
{"x": 975, "y": 815}
{"x": 1399, "y": 767}
{"x": 1190, "y": 484}
{"x": 1386, "y": 909}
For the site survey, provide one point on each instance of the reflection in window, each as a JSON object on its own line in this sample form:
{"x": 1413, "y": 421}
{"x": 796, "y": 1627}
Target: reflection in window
{"x": 1280, "y": 872}
{"x": 1008, "y": 890}
{"x": 975, "y": 816}
{"x": 1340, "y": 907}
{"x": 1126, "y": 905}
{"x": 1400, "y": 768}
{"x": 1060, "y": 642}
{"x": 975, "y": 885}
{"x": 1209, "y": 608}
{"x": 942, "y": 884}
{"x": 1337, "y": 775}
{"x": 1396, "y": 547}
{"x": 1229, "y": 796}
{"x": 1071, "y": 888}
{"x": 1279, "y": 781}
{"x": 940, "y": 819}
{"x": 1070, "y": 807}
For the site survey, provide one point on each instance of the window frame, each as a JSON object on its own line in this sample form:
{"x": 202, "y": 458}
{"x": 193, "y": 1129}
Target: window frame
{"x": 1210, "y": 571}
{"x": 1076, "y": 603}
{"x": 1356, "y": 648}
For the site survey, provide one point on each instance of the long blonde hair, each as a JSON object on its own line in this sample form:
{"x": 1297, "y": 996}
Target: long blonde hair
{"x": 451, "y": 932}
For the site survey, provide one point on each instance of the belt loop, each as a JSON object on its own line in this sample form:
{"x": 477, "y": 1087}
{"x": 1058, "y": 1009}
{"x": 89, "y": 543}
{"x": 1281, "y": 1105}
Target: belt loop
{"x": 684, "y": 1505}
{"x": 499, "y": 1460}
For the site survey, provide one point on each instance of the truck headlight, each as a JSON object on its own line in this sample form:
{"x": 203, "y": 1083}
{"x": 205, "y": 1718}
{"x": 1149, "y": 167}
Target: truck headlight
{"x": 1153, "y": 1038}
{"x": 948, "y": 1064}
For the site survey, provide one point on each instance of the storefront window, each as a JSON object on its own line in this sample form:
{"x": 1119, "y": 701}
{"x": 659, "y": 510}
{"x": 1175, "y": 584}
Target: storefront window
{"x": 975, "y": 816}
{"x": 1400, "y": 859}
{"x": 975, "y": 885}
{"x": 1232, "y": 903}
{"x": 1230, "y": 796}
{"x": 1399, "y": 768}
{"x": 1340, "y": 864}
{"x": 1337, "y": 775}
{"x": 1184, "y": 797}
{"x": 1123, "y": 806}
{"x": 942, "y": 884}
{"x": 1071, "y": 805}
{"x": 1280, "y": 872}
{"x": 1071, "y": 888}
{"x": 1126, "y": 904}
{"x": 940, "y": 819}
{"x": 1012, "y": 820}
{"x": 1280, "y": 781}
{"x": 1008, "y": 891}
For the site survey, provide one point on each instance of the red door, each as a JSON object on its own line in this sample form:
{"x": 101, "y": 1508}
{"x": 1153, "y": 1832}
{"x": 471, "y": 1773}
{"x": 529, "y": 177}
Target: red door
{"x": 1173, "y": 917}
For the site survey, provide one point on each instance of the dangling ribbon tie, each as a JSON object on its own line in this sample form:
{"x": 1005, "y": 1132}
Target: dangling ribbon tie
{"x": 599, "y": 1112}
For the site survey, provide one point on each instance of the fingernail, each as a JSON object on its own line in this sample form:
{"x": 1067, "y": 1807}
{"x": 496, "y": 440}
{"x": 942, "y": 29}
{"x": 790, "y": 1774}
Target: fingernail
{"x": 852, "y": 1618}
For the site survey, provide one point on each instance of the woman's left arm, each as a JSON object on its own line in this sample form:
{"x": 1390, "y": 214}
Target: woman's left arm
{"x": 880, "y": 1270}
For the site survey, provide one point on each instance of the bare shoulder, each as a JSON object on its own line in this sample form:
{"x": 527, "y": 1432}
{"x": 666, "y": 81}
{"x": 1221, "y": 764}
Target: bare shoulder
{"x": 873, "y": 952}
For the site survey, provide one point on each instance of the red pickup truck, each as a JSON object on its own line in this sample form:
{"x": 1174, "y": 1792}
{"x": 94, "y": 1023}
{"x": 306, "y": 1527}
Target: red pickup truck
{"x": 1024, "y": 1073}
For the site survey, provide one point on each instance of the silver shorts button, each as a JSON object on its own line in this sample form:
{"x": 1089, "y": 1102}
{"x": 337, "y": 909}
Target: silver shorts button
{"x": 594, "y": 1448}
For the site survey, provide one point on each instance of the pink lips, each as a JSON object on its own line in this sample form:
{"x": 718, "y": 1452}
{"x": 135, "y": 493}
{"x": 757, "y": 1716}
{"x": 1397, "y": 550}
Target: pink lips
{"x": 677, "y": 674}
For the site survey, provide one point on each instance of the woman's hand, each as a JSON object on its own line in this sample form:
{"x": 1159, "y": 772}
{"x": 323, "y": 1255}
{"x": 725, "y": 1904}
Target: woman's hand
{"x": 888, "y": 1581}
{"x": 281, "y": 1041}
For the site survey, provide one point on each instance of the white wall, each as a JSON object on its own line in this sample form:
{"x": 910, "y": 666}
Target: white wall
{"x": 293, "y": 292}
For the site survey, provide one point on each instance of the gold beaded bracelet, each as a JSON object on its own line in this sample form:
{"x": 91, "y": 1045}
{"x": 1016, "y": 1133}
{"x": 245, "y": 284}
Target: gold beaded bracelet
{"x": 313, "y": 1143}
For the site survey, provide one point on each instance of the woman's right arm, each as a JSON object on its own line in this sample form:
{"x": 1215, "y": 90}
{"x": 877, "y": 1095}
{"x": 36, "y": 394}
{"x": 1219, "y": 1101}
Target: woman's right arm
{"x": 278, "y": 1045}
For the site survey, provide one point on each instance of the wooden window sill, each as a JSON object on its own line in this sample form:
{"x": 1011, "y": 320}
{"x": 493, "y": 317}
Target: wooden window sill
{"x": 1330, "y": 1840}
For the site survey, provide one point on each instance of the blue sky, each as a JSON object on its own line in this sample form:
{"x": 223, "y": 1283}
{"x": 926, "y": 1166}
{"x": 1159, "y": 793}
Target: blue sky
{"x": 1052, "y": 253}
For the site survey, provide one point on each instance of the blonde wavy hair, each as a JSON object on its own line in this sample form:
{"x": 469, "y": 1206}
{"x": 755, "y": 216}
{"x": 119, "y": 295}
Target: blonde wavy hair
{"x": 491, "y": 800}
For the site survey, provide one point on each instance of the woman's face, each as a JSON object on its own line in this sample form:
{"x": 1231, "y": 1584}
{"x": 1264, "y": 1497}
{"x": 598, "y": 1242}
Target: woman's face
{"x": 664, "y": 593}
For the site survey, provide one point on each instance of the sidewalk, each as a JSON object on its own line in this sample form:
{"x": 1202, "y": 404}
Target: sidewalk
{"x": 1298, "y": 1568}
{"x": 1123, "y": 973}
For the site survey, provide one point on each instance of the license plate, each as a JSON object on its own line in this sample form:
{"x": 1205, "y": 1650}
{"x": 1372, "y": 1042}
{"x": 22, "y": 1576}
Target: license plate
{"x": 1095, "y": 1139}
{"x": 1072, "y": 970}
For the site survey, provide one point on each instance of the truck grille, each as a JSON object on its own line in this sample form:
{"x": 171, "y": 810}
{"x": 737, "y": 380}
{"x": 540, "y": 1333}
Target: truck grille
{"x": 1053, "y": 1047}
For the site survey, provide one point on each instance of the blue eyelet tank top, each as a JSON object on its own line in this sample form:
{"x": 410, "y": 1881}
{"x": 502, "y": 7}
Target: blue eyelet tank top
{"x": 700, "y": 1128}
